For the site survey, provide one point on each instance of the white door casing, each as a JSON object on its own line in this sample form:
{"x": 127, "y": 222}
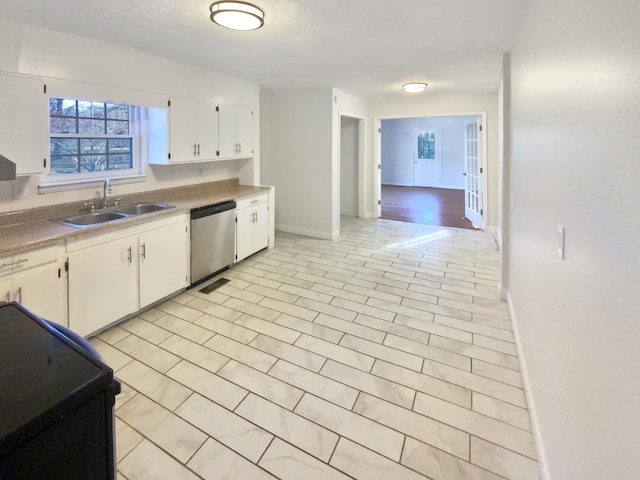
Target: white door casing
{"x": 473, "y": 171}
{"x": 427, "y": 158}
{"x": 377, "y": 174}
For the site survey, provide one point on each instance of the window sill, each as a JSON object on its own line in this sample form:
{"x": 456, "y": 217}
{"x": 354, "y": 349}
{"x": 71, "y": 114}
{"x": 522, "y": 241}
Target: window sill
{"x": 65, "y": 186}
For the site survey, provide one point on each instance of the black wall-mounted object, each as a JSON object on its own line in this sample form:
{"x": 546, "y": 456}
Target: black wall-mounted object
{"x": 7, "y": 169}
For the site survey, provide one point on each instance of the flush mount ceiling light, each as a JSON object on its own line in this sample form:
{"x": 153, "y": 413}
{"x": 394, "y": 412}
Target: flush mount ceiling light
{"x": 414, "y": 87}
{"x": 237, "y": 15}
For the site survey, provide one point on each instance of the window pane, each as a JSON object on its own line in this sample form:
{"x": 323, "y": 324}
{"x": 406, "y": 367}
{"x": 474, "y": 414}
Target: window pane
{"x": 117, "y": 127}
{"x": 62, "y": 125}
{"x": 63, "y": 146}
{"x": 64, "y": 164}
{"x": 120, "y": 161}
{"x": 90, "y": 109}
{"x": 117, "y": 145}
{"x": 93, "y": 145}
{"x": 93, "y": 163}
{"x": 91, "y": 127}
{"x": 117, "y": 112}
{"x": 62, "y": 107}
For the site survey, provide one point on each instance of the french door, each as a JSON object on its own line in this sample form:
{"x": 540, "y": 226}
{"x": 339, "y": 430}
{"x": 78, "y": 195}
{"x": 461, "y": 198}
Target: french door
{"x": 473, "y": 169}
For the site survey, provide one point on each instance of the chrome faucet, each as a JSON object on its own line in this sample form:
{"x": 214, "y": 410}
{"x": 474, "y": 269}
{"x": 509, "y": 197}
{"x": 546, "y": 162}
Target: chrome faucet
{"x": 107, "y": 185}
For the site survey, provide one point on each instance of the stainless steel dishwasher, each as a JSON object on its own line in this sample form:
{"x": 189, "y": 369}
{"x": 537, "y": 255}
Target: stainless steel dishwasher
{"x": 212, "y": 239}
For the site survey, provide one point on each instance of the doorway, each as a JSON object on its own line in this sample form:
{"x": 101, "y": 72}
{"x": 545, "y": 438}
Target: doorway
{"x": 351, "y": 168}
{"x": 431, "y": 170}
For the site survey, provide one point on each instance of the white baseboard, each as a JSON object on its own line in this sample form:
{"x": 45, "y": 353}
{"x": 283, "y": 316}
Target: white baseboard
{"x": 542, "y": 459}
{"x": 348, "y": 213}
{"x": 307, "y": 232}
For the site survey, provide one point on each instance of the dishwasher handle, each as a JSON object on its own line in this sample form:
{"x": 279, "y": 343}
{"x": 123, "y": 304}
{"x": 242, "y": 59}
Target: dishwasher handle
{"x": 208, "y": 210}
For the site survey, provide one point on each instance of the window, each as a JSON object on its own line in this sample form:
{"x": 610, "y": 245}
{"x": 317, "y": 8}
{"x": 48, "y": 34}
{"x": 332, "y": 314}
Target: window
{"x": 90, "y": 138}
{"x": 427, "y": 145}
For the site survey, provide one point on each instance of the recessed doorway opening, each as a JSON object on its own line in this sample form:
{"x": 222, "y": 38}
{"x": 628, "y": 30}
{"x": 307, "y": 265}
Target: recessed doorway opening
{"x": 431, "y": 170}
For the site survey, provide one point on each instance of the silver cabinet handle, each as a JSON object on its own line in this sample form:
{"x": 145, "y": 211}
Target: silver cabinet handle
{"x": 8, "y": 296}
{"x": 130, "y": 255}
{"x": 198, "y": 149}
{"x": 144, "y": 250}
{"x": 20, "y": 295}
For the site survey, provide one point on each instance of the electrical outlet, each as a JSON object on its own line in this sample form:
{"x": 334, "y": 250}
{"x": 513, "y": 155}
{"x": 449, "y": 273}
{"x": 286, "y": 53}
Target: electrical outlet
{"x": 560, "y": 239}
{"x": 200, "y": 171}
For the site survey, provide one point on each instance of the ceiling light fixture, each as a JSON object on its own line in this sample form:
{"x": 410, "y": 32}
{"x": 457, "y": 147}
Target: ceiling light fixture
{"x": 237, "y": 15}
{"x": 414, "y": 87}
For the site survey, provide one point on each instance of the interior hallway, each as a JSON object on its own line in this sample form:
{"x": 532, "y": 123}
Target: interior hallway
{"x": 430, "y": 206}
{"x": 384, "y": 355}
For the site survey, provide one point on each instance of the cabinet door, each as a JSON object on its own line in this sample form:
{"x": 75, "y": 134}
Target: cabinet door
{"x": 43, "y": 290}
{"x": 163, "y": 262}
{"x": 193, "y": 130}
{"x": 103, "y": 285}
{"x": 244, "y": 232}
{"x": 235, "y": 131}
{"x": 261, "y": 227}
{"x": 23, "y": 122}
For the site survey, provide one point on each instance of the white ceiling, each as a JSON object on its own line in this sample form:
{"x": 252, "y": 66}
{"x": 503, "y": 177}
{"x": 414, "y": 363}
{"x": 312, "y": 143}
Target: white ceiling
{"x": 364, "y": 47}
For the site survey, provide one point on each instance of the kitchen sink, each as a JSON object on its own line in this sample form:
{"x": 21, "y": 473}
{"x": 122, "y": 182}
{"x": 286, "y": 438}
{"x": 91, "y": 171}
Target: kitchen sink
{"x": 141, "y": 208}
{"x": 90, "y": 219}
{"x": 86, "y": 220}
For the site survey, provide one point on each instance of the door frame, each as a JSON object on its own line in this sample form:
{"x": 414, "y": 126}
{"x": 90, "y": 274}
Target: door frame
{"x": 377, "y": 156}
{"x": 362, "y": 141}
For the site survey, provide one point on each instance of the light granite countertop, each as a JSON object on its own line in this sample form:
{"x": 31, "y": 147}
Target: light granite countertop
{"x": 26, "y": 229}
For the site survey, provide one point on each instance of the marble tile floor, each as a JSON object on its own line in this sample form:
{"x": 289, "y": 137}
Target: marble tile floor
{"x": 386, "y": 354}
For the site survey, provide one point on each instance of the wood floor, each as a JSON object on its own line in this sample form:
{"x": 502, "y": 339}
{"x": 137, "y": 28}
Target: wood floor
{"x": 431, "y": 206}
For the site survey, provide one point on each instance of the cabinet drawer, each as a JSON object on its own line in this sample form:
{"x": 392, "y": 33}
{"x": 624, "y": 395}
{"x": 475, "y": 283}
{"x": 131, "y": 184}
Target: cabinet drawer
{"x": 252, "y": 201}
{"x": 30, "y": 258}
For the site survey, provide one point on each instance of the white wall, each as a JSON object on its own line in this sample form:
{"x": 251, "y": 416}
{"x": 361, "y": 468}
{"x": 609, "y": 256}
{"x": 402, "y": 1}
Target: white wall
{"x": 349, "y": 172}
{"x": 575, "y": 143}
{"x": 47, "y": 53}
{"x": 425, "y": 105}
{"x": 298, "y": 158}
{"x": 398, "y": 142}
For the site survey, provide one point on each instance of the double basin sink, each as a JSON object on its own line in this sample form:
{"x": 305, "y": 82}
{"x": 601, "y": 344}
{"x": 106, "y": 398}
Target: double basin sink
{"x": 86, "y": 220}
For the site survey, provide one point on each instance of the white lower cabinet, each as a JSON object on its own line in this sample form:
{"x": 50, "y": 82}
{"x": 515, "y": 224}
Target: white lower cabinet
{"x": 252, "y": 225}
{"x": 116, "y": 274}
{"x": 36, "y": 279}
{"x": 163, "y": 262}
{"x": 103, "y": 285}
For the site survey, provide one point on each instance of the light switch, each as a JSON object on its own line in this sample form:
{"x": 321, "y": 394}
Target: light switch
{"x": 561, "y": 241}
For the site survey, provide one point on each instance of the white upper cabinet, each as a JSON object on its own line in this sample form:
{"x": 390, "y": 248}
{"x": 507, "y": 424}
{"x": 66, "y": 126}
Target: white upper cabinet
{"x": 236, "y": 139}
{"x": 23, "y": 123}
{"x": 199, "y": 131}
{"x": 192, "y": 132}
